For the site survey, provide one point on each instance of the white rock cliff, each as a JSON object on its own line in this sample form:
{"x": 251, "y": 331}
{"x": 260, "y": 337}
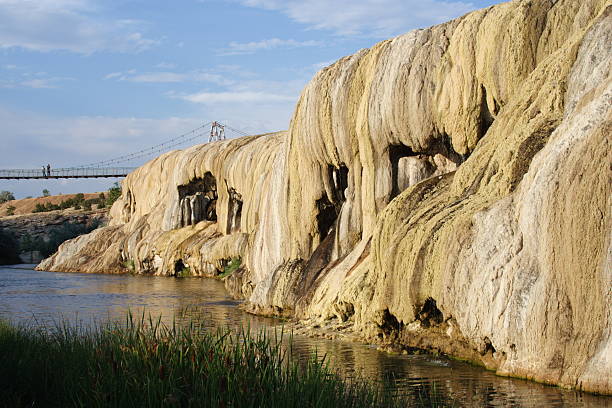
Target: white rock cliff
{"x": 448, "y": 189}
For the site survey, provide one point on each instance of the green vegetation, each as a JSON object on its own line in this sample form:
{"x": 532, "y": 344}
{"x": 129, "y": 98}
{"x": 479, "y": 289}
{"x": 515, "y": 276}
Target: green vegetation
{"x": 130, "y": 265}
{"x": 10, "y": 210}
{"x": 46, "y": 193}
{"x": 56, "y": 238}
{"x": 9, "y": 248}
{"x": 77, "y": 202}
{"x": 145, "y": 363}
{"x": 45, "y": 207}
{"x": 113, "y": 194}
{"x": 6, "y": 196}
{"x": 231, "y": 267}
{"x": 185, "y": 272}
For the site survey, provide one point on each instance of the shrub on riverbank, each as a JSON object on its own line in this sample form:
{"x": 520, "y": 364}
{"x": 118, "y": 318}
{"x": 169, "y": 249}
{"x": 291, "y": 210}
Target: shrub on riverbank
{"x": 148, "y": 364}
{"x": 231, "y": 266}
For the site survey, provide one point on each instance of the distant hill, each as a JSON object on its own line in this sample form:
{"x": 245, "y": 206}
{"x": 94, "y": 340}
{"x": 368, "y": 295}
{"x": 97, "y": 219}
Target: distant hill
{"x": 27, "y": 205}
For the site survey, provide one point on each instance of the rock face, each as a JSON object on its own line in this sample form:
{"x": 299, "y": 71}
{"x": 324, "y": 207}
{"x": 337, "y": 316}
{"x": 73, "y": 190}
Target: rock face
{"x": 448, "y": 189}
{"x": 41, "y": 226}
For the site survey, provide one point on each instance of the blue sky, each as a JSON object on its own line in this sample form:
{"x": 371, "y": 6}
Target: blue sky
{"x": 87, "y": 80}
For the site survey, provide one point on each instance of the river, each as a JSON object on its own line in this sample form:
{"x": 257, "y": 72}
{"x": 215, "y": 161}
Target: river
{"x": 44, "y": 298}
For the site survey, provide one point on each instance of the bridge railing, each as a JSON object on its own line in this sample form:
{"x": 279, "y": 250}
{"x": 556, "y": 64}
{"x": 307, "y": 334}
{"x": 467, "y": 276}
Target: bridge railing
{"x": 67, "y": 172}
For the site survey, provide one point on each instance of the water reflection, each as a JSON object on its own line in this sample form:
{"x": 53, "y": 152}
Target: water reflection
{"x": 46, "y": 298}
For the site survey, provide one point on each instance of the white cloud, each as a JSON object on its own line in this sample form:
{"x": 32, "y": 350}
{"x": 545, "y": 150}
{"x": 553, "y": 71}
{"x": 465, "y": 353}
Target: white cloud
{"x": 273, "y": 94}
{"x": 113, "y": 75}
{"x": 156, "y": 77}
{"x": 168, "y": 77}
{"x": 47, "y": 83}
{"x": 372, "y": 18}
{"x": 71, "y": 25}
{"x": 235, "y": 48}
{"x": 36, "y": 80}
{"x": 165, "y": 65}
{"x": 237, "y": 97}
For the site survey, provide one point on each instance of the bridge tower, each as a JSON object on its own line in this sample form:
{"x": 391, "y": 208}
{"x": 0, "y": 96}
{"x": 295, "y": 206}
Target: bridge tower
{"x": 217, "y": 132}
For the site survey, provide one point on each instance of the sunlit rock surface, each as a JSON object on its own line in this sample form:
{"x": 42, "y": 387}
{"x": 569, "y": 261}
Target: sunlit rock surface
{"x": 448, "y": 189}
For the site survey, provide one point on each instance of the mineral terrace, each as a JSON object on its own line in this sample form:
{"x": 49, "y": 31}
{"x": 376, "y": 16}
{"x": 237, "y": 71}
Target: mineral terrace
{"x": 448, "y": 189}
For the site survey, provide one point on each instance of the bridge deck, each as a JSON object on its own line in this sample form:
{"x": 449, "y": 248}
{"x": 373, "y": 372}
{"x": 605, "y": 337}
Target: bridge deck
{"x": 85, "y": 172}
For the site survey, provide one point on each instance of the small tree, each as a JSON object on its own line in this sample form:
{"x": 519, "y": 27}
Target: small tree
{"x": 6, "y": 196}
{"x": 10, "y": 210}
{"x": 66, "y": 203}
{"x": 39, "y": 208}
{"x": 46, "y": 193}
{"x": 113, "y": 194}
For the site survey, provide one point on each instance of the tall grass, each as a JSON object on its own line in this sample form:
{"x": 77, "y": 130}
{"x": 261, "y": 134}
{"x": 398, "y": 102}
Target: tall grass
{"x": 146, "y": 363}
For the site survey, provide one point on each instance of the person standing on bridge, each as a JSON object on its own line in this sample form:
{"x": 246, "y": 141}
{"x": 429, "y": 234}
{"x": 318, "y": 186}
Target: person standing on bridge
{"x": 44, "y": 174}
{"x": 48, "y": 170}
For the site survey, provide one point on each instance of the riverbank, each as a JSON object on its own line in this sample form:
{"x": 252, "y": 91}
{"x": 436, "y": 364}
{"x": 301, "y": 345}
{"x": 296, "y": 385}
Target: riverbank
{"x": 38, "y": 298}
{"x": 145, "y": 363}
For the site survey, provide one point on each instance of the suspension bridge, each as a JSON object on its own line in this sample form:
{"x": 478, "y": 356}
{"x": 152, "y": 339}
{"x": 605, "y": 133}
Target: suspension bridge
{"x": 111, "y": 167}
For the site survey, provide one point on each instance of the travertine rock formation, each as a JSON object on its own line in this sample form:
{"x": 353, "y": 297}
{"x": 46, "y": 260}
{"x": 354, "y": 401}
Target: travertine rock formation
{"x": 448, "y": 189}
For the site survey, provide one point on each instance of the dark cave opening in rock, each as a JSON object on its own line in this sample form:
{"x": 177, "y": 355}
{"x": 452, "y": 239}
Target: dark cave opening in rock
{"x": 234, "y": 211}
{"x": 179, "y": 267}
{"x": 389, "y": 323}
{"x": 486, "y": 117}
{"x": 486, "y": 347}
{"x": 326, "y": 216}
{"x": 396, "y": 152}
{"x": 430, "y": 315}
{"x": 197, "y": 201}
{"x": 444, "y": 146}
{"x": 339, "y": 178}
{"x": 328, "y": 208}
{"x": 409, "y": 167}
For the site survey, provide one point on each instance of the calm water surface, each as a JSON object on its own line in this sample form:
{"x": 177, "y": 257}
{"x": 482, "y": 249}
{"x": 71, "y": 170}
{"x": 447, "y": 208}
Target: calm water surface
{"x": 47, "y": 298}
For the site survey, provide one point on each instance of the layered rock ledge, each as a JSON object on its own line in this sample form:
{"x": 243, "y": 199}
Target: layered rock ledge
{"x": 448, "y": 189}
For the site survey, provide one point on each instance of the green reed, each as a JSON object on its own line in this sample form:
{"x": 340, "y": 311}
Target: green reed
{"x": 144, "y": 363}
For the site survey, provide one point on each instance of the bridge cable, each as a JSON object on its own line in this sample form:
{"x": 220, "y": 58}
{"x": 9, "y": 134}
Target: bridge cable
{"x": 150, "y": 150}
{"x": 168, "y": 144}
